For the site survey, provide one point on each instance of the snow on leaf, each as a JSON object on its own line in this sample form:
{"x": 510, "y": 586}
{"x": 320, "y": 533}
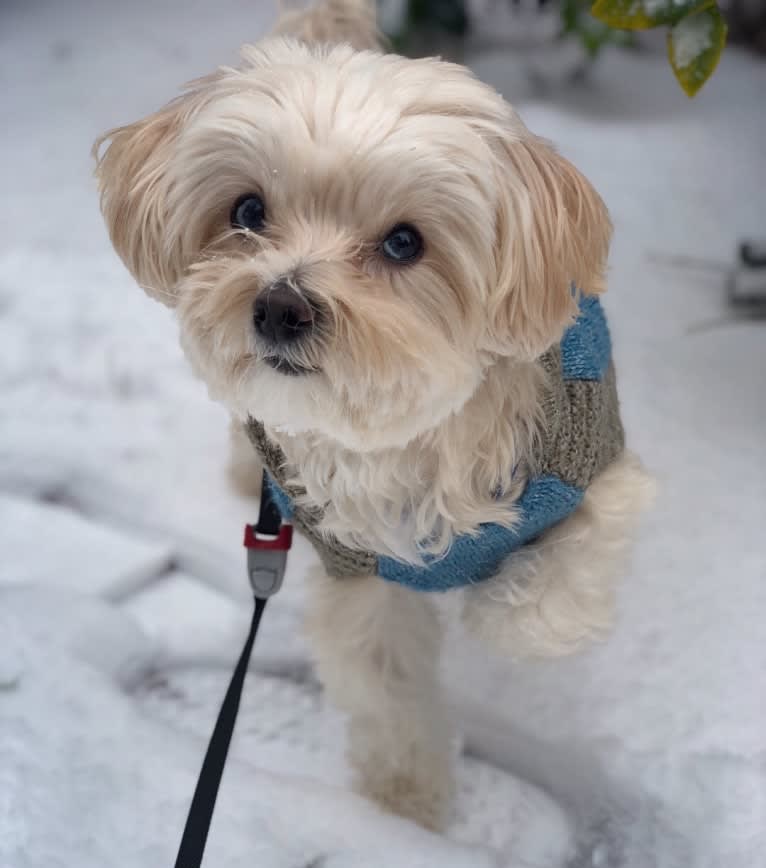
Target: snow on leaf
{"x": 694, "y": 47}
{"x": 691, "y": 38}
{"x": 644, "y": 14}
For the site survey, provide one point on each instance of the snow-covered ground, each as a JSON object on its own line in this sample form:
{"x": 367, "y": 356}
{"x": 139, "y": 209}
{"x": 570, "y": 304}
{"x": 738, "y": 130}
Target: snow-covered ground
{"x": 123, "y": 601}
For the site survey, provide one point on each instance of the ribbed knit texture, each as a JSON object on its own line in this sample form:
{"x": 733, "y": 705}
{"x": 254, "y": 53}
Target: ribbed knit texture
{"x": 583, "y": 434}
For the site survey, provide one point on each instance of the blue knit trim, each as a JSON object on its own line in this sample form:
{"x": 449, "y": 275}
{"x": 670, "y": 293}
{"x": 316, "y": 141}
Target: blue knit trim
{"x": 475, "y": 557}
{"x": 586, "y": 348}
{"x": 282, "y": 500}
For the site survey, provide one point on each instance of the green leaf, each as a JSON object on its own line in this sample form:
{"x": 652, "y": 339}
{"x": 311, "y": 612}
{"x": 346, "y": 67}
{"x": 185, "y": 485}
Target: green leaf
{"x": 578, "y": 23}
{"x": 694, "y": 47}
{"x": 644, "y": 14}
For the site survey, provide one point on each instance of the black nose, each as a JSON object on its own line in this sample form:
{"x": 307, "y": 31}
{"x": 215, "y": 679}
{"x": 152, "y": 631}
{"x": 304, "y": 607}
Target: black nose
{"x": 281, "y": 314}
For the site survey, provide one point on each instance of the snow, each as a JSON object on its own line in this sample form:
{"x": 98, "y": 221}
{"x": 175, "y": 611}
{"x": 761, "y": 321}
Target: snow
{"x": 41, "y": 541}
{"x": 123, "y": 601}
{"x": 653, "y": 7}
{"x": 107, "y": 780}
{"x": 691, "y": 37}
{"x": 178, "y": 607}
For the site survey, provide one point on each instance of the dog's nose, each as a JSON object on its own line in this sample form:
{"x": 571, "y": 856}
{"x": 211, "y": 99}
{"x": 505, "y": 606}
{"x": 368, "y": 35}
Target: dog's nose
{"x": 281, "y": 314}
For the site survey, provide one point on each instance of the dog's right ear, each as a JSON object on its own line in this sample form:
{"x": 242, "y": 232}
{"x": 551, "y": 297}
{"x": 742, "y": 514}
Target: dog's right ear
{"x": 131, "y": 168}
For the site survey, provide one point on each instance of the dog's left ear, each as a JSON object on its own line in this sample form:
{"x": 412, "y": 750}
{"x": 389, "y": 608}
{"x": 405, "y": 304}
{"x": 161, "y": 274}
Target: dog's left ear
{"x": 553, "y": 233}
{"x": 132, "y": 171}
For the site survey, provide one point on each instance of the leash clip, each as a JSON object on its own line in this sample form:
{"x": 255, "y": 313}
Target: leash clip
{"x": 267, "y": 559}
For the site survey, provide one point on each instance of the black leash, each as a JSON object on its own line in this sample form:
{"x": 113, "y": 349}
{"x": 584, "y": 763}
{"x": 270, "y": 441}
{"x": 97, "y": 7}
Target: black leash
{"x": 201, "y": 810}
{"x": 267, "y": 544}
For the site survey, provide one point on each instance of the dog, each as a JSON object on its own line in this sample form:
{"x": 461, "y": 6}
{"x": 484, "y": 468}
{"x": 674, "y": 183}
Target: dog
{"x": 380, "y": 272}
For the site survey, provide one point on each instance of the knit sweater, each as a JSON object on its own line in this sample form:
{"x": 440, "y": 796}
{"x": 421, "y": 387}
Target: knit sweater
{"x": 582, "y": 435}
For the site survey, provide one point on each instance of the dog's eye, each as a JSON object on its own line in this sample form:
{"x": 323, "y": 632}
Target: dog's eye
{"x": 402, "y": 244}
{"x": 249, "y": 212}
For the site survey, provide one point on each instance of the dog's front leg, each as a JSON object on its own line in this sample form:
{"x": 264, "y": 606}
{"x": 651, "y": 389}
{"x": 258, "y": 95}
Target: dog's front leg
{"x": 377, "y": 648}
{"x": 557, "y": 594}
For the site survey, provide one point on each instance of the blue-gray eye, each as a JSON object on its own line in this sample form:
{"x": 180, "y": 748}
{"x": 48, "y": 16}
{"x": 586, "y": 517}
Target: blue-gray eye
{"x": 249, "y": 212}
{"x": 403, "y": 243}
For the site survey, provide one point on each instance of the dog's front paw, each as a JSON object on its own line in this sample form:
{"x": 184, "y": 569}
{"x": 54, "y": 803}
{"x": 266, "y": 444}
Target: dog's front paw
{"x": 539, "y": 607}
{"x": 414, "y": 783}
{"x": 425, "y": 802}
{"x": 418, "y": 795}
{"x": 553, "y": 596}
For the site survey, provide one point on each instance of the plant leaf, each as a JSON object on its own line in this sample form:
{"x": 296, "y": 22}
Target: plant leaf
{"x": 645, "y": 14}
{"x": 694, "y": 47}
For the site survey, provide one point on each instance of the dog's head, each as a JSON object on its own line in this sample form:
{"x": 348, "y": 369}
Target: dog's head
{"x": 350, "y": 239}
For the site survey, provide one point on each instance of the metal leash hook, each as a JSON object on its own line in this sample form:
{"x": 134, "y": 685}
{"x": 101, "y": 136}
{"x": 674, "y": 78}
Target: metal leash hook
{"x": 267, "y": 544}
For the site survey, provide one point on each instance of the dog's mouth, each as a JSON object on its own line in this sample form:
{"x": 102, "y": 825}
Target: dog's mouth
{"x": 285, "y": 366}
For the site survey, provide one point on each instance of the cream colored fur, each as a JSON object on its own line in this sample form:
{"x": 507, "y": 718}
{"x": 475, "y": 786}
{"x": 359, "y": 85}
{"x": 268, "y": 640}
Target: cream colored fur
{"x": 559, "y": 593}
{"x": 377, "y": 651}
{"x": 441, "y": 483}
{"x": 351, "y": 21}
{"x": 244, "y": 469}
{"x": 426, "y": 388}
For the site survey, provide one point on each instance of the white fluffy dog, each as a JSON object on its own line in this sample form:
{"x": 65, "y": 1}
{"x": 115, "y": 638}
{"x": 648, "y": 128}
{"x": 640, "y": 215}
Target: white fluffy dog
{"x": 374, "y": 258}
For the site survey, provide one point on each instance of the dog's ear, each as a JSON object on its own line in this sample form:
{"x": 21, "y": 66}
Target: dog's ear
{"x": 132, "y": 172}
{"x": 553, "y": 233}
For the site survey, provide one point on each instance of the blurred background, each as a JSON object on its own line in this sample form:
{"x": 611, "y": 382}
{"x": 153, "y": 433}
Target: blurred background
{"x": 529, "y": 24}
{"x": 123, "y": 598}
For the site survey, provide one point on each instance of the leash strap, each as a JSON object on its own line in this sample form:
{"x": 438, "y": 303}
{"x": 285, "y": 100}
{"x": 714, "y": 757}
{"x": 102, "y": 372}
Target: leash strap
{"x": 201, "y": 810}
{"x": 266, "y": 558}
